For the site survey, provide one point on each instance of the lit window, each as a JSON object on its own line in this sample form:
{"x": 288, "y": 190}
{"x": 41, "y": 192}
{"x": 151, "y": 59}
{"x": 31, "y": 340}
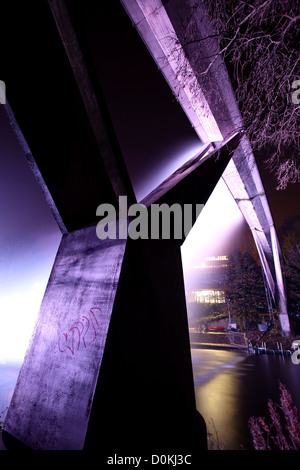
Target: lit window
{"x": 204, "y": 296}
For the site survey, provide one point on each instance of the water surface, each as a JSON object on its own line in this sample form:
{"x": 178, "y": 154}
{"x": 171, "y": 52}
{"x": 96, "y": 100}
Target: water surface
{"x": 231, "y": 387}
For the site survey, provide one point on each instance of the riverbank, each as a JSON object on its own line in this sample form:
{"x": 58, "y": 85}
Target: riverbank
{"x": 271, "y": 340}
{"x": 234, "y": 347}
{"x": 218, "y": 340}
{"x": 254, "y": 341}
{"x": 227, "y": 347}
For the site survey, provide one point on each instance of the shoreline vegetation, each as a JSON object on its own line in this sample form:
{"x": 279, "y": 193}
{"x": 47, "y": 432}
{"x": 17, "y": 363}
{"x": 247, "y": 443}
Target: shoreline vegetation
{"x": 280, "y": 430}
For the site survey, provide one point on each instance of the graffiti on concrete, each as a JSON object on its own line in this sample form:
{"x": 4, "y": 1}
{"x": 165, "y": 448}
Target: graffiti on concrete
{"x": 82, "y": 332}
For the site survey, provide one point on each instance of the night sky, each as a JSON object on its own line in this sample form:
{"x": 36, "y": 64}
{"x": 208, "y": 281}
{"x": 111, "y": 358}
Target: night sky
{"x": 283, "y": 203}
{"x": 155, "y": 138}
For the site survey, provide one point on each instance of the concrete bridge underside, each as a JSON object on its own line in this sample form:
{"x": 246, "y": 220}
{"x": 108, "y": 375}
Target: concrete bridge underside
{"x": 109, "y": 364}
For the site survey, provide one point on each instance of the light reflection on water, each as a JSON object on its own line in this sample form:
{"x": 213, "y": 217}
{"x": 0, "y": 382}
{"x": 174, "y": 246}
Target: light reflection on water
{"x": 206, "y": 364}
{"x": 230, "y": 387}
{"x": 216, "y": 388}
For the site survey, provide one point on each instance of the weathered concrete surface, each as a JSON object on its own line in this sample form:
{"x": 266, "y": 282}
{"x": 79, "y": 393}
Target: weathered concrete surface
{"x": 51, "y": 404}
{"x": 144, "y": 399}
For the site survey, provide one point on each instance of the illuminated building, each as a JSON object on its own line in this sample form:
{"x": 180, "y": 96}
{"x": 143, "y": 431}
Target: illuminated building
{"x": 205, "y": 296}
{"x": 206, "y": 282}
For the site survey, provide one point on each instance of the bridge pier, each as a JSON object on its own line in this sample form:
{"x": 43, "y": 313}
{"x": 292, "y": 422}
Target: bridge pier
{"x": 109, "y": 361}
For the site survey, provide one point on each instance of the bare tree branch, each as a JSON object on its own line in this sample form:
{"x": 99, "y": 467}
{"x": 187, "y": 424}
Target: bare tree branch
{"x": 259, "y": 42}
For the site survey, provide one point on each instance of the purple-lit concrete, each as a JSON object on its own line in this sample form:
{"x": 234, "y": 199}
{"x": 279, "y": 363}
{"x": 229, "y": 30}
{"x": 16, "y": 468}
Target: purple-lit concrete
{"x": 54, "y": 393}
{"x": 154, "y": 25}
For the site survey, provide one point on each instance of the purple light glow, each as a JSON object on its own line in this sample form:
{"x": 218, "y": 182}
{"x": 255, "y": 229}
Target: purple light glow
{"x": 24, "y": 273}
{"x": 215, "y": 231}
{"x": 18, "y": 315}
{"x": 29, "y": 238}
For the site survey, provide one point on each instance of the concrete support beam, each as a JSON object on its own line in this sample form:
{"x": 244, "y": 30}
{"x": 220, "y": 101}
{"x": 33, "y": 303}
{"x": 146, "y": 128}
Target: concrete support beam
{"x": 282, "y": 303}
{"x": 76, "y": 59}
{"x": 52, "y": 400}
{"x": 109, "y": 362}
{"x": 157, "y": 31}
{"x": 243, "y": 180}
{"x": 264, "y": 263}
{"x": 192, "y": 182}
{"x": 35, "y": 169}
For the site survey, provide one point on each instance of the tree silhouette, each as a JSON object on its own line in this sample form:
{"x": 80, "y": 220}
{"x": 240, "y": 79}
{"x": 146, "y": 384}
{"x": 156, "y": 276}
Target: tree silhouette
{"x": 245, "y": 288}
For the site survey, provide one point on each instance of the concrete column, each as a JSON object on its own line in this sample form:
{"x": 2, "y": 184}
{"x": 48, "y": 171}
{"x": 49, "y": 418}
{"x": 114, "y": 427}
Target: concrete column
{"x": 264, "y": 262}
{"x": 282, "y": 303}
{"x": 51, "y": 404}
